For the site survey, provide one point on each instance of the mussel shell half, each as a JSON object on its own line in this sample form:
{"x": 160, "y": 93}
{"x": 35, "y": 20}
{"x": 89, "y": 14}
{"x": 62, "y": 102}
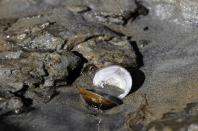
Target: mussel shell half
{"x": 99, "y": 99}
{"x": 116, "y": 76}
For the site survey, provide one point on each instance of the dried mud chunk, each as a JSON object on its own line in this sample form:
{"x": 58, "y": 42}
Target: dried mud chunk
{"x": 43, "y": 42}
{"x": 103, "y": 53}
{"x": 59, "y": 66}
{"x": 13, "y": 104}
{"x": 26, "y": 70}
{"x": 37, "y": 70}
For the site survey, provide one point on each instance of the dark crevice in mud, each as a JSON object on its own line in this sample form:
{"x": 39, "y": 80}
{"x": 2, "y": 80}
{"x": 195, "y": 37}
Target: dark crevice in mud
{"x": 138, "y": 76}
{"x": 116, "y": 32}
{"x": 62, "y": 46}
{"x": 139, "y": 56}
{"x": 38, "y": 84}
{"x": 27, "y": 101}
{"x": 37, "y": 50}
{"x": 73, "y": 75}
{"x": 22, "y": 91}
{"x": 146, "y": 28}
{"x": 15, "y": 103}
{"x": 83, "y": 11}
{"x": 140, "y": 10}
{"x": 45, "y": 70}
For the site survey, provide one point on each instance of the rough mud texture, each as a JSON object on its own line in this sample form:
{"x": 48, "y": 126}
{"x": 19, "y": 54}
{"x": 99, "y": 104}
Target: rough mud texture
{"x": 50, "y": 48}
{"x": 185, "y": 120}
{"x": 103, "y": 53}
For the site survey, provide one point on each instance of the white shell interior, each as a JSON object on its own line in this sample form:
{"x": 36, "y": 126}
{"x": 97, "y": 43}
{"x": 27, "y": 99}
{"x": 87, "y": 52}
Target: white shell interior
{"x": 115, "y": 76}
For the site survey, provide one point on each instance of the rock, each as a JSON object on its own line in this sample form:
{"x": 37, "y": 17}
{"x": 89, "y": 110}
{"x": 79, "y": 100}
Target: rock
{"x": 13, "y": 104}
{"x": 44, "y": 42}
{"x": 40, "y": 95}
{"x": 48, "y": 82}
{"x": 7, "y": 82}
{"x": 60, "y": 66}
{"x": 37, "y": 74}
{"x": 27, "y": 29}
{"x": 73, "y": 24}
{"x": 22, "y": 71}
{"x": 44, "y": 32}
{"x": 77, "y": 39}
{"x": 108, "y": 52}
{"x": 33, "y": 37}
{"x": 35, "y": 68}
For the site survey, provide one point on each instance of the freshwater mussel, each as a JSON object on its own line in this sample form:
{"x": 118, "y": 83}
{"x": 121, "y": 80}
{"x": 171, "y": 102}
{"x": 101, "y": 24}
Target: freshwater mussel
{"x": 110, "y": 85}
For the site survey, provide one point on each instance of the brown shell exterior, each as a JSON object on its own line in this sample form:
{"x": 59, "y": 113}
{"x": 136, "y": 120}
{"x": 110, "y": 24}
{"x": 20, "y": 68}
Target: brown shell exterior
{"x": 95, "y": 99}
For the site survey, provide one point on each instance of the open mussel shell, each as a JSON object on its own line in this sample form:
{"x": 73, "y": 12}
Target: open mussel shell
{"x": 116, "y": 76}
{"x": 99, "y": 99}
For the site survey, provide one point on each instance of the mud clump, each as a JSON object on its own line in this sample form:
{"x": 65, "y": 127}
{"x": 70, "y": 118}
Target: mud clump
{"x": 11, "y": 104}
{"x": 101, "y": 53}
{"x": 42, "y": 68}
